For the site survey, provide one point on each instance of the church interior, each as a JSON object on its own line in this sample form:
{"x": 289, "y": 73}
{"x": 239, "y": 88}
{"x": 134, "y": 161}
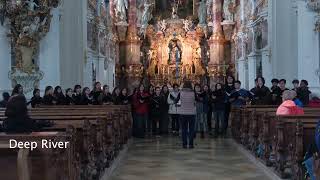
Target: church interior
{"x": 110, "y": 77}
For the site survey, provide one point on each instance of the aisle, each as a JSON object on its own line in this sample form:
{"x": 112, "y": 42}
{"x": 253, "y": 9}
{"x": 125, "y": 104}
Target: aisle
{"x": 164, "y": 159}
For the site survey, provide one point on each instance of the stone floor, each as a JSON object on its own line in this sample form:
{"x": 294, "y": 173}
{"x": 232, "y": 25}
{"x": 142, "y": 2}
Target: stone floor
{"x": 164, "y": 159}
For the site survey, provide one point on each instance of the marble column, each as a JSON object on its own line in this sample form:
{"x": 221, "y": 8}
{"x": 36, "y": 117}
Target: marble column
{"x": 195, "y": 7}
{"x": 217, "y": 40}
{"x": 267, "y": 71}
{"x": 49, "y": 62}
{"x": 131, "y": 46}
{"x": 5, "y": 63}
{"x": 252, "y": 69}
{"x": 241, "y": 68}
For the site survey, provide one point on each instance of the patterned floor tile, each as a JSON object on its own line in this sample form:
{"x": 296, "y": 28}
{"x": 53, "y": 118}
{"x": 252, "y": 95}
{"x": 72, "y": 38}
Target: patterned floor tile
{"x": 164, "y": 159}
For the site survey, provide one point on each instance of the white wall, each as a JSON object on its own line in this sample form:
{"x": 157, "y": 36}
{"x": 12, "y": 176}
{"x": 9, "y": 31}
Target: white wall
{"x": 49, "y": 59}
{"x": 73, "y": 37}
{"x": 5, "y": 60}
{"x": 308, "y": 43}
{"x": 284, "y": 43}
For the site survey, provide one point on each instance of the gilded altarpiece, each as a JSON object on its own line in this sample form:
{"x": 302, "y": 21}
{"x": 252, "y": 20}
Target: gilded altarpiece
{"x": 174, "y": 55}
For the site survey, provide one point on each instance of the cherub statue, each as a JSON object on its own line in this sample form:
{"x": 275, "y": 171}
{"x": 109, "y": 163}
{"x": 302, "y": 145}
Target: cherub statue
{"x": 202, "y": 12}
{"x": 162, "y": 25}
{"x": 120, "y": 9}
{"x": 31, "y": 5}
{"x": 187, "y": 25}
{"x": 146, "y": 15}
{"x": 228, "y": 10}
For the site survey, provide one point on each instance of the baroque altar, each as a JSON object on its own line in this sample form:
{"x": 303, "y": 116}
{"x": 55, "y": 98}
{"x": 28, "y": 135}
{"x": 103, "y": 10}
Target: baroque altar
{"x": 174, "y": 53}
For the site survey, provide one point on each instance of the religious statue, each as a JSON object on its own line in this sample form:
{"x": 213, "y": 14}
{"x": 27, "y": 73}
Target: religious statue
{"x": 31, "y": 5}
{"x": 174, "y": 13}
{"x": 209, "y": 10}
{"x": 120, "y": 9}
{"x": 174, "y": 53}
{"x": 228, "y": 10}
{"x": 162, "y": 25}
{"x": 3, "y": 5}
{"x": 146, "y": 15}
{"x": 202, "y": 12}
{"x": 186, "y": 25}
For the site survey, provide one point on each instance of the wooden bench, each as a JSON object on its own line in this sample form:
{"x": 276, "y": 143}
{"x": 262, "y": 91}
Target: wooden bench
{"x": 283, "y": 139}
{"x": 40, "y": 163}
{"x": 101, "y": 132}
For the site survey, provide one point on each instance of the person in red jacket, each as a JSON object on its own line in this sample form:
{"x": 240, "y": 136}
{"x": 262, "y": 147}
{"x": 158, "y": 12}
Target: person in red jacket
{"x": 288, "y": 106}
{"x": 141, "y": 104}
{"x": 314, "y": 102}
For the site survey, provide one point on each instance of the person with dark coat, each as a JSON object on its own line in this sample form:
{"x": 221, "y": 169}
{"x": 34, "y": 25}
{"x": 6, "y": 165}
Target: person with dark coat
{"x": 239, "y": 97}
{"x": 59, "y": 96}
{"x": 303, "y": 92}
{"x": 95, "y": 93}
{"x": 69, "y": 98}
{"x": 116, "y": 98}
{"x": 86, "y": 99}
{"x": 295, "y": 84}
{"x": 5, "y": 99}
{"x": 218, "y": 100}
{"x": 157, "y": 104}
{"x": 48, "y": 98}
{"x": 17, "y": 90}
{"x": 164, "y": 123}
{"x": 77, "y": 95}
{"x": 124, "y": 97}
{"x": 18, "y": 120}
{"x": 275, "y": 92}
{"x": 207, "y": 109}
{"x": 36, "y": 99}
{"x": 229, "y": 87}
{"x": 105, "y": 97}
{"x": 260, "y": 93}
{"x": 201, "y": 124}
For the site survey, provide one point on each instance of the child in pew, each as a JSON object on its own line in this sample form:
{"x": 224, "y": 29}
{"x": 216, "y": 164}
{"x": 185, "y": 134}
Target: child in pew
{"x": 288, "y": 107}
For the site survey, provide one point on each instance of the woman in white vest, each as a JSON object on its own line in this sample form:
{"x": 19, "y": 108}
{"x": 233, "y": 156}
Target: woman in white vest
{"x": 174, "y": 102}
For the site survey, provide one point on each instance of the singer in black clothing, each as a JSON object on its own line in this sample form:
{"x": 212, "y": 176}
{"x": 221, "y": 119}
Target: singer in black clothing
{"x": 36, "y": 100}
{"x": 69, "y": 98}
{"x": 86, "y": 99}
{"x": 105, "y": 96}
{"x": 124, "y": 97}
{"x": 116, "y": 96}
{"x": 218, "y": 99}
{"x": 261, "y": 94}
{"x": 48, "y": 98}
{"x": 156, "y": 109}
{"x": 95, "y": 93}
{"x": 229, "y": 89}
{"x": 77, "y": 95}
{"x": 59, "y": 96}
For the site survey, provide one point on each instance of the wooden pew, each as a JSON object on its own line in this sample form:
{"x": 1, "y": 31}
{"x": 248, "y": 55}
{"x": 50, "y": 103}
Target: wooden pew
{"x": 93, "y": 141}
{"x": 40, "y": 163}
{"x": 284, "y": 138}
